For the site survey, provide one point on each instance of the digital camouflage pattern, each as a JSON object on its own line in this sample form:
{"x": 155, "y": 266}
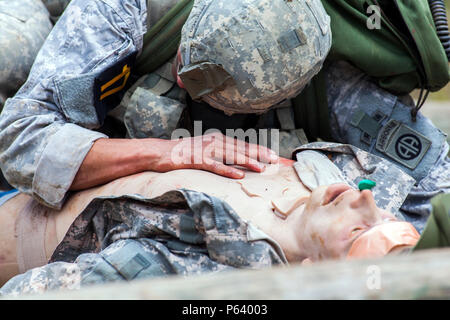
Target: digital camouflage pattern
{"x": 348, "y": 90}
{"x": 57, "y": 99}
{"x": 24, "y": 25}
{"x": 267, "y": 52}
{"x": 417, "y": 206}
{"x": 365, "y": 115}
{"x": 150, "y": 115}
{"x": 181, "y": 232}
{"x": 89, "y": 37}
{"x": 41, "y": 155}
{"x": 392, "y": 184}
{"x": 153, "y": 107}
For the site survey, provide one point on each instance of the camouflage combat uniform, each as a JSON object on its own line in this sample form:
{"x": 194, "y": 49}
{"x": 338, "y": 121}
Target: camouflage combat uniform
{"x": 352, "y": 94}
{"x": 183, "y": 232}
{"x": 25, "y": 25}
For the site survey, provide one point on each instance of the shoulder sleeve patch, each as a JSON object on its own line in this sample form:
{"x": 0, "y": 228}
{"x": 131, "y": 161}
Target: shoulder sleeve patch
{"x": 111, "y": 84}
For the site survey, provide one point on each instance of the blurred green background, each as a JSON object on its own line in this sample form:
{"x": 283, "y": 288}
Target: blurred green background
{"x": 444, "y": 94}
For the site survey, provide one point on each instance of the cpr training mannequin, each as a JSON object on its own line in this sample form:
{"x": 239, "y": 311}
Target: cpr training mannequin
{"x": 314, "y": 226}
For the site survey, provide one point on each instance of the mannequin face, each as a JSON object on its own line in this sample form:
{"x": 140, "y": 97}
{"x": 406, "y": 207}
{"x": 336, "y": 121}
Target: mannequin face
{"x": 334, "y": 217}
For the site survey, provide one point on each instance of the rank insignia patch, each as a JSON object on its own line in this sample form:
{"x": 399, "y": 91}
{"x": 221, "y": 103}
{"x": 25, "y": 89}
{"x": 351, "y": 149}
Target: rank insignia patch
{"x": 111, "y": 84}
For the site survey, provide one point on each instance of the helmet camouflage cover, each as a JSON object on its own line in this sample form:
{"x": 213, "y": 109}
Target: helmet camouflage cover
{"x": 245, "y": 56}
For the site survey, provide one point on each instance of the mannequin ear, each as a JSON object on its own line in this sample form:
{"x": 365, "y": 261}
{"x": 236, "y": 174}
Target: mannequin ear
{"x": 307, "y": 262}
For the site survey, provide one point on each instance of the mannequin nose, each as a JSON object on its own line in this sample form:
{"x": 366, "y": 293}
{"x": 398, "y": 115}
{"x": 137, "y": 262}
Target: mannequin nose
{"x": 365, "y": 199}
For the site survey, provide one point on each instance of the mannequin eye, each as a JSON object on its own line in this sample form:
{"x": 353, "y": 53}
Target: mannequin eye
{"x": 355, "y": 230}
{"x": 333, "y": 192}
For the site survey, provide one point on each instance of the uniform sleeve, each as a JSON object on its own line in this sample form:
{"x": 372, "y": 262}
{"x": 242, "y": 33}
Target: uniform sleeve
{"x": 417, "y": 206}
{"x": 349, "y": 93}
{"x": 47, "y": 128}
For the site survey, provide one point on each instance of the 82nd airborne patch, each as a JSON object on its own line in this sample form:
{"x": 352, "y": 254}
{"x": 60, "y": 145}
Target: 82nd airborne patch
{"x": 402, "y": 144}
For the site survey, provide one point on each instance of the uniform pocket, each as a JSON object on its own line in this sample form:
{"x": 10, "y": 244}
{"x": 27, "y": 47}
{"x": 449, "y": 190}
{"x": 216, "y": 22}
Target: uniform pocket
{"x": 149, "y": 115}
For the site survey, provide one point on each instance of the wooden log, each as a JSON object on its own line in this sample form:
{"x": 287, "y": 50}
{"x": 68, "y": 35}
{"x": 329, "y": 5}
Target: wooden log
{"x": 422, "y": 275}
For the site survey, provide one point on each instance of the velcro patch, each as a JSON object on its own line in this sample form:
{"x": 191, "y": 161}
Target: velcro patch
{"x": 368, "y": 125}
{"x": 292, "y": 39}
{"x": 402, "y": 144}
{"x": 111, "y": 84}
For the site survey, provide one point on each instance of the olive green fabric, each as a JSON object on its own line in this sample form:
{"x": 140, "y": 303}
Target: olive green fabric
{"x": 162, "y": 40}
{"x": 437, "y": 231}
{"x": 403, "y": 51}
{"x": 311, "y": 109}
{"x": 404, "y": 54}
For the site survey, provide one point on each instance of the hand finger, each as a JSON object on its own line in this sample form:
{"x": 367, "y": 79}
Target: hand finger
{"x": 230, "y": 155}
{"x": 221, "y": 169}
{"x": 262, "y": 153}
{"x": 249, "y": 163}
{"x": 254, "y": 151}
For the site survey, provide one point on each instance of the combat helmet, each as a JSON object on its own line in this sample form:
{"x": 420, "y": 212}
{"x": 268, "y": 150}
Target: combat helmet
{"x": 245, "y": 56}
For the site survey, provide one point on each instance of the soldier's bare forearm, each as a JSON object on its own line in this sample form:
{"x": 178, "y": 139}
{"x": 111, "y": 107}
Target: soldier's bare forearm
{"x": 110, "y": 159}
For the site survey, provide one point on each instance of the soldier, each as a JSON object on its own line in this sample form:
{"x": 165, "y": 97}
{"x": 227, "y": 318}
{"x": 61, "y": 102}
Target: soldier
{"x": 238, "y": 57}
{"x": 94, "y": 43}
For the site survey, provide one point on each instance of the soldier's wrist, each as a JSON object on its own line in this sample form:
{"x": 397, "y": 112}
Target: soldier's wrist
{"x": 155, "y": 154}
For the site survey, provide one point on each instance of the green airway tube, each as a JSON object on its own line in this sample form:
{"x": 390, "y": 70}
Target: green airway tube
{"x": 366, "y": 185}
{"x": 162, "y": 40}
